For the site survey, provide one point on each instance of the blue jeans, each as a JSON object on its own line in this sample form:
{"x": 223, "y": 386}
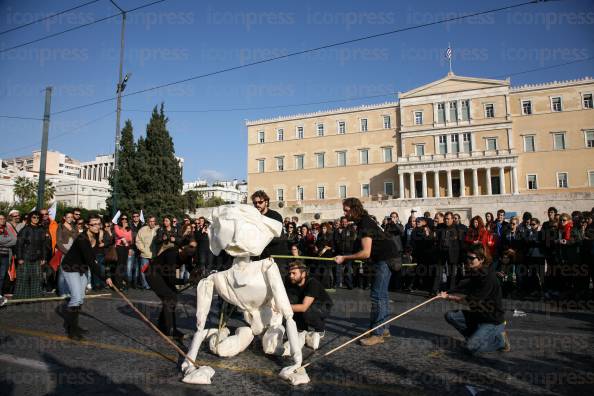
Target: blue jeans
{"x": 145, "y": 284}
{"x": 380, "y": 308}
{"x": 96, "y": 281}
{"x": 488, "y": 337}
{"x": 77, "y": 283}
{"x": 132, "y": 268}
{"x": 63, "y": 289}
{"x": 4, "y": 261}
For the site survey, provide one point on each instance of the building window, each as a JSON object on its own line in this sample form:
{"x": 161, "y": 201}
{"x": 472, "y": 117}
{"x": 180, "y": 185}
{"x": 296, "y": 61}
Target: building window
{"x": 321, "y": 192}
{"x": 418, "y": 118}
{"x": 363, "y": 124}
{"x": 556, "y": 104}
{"x": 491, "y": 144}
{"x": 299, "y": 132}
{"x": 342, "y": 192}
{"x": 559, "y": 141}
{"x": 441, "y": 112}
{"x": 562, "y": 179}
{"x": 299, "y": 161}
{"x": 467, "y": 142}
{"x": 280, "y": 134}
{"x": 365, "y": 190}
{"x": 591, "y": 178}
{"x": 465, "y": 110}
{"x": 387, "y": 154}
{"x": 455, "y": 145}
{"x": 532, "y": 184}
{"x": 526, "y": 107}
{"x": 364, "y": 156}
{"x": 388, "y": 188}
{"x": 387, "y": 122}
{"x": 443, "y": 144}
{"x": 260, "y": 166}
{"x": 341, "y": 127}
{"x": 300, "y": 193}
{"x": 320, "y": 160}
{"x": 320, "y": 128}
{"x": 280, "y": 164}
{"x": 587, "y": 100}
{"x": 341, "y": 158}
{"x": 280, "y": 194}
{"x": 529, "y": 144}
{"x": 590, "y": 139}
{"x": 453, "y": 111}
{"x": 260, "y": 136}
{"x": 419, "y": 149}
{"x": 489, "y": 110}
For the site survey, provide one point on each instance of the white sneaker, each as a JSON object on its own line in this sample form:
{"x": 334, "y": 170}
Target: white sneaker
{"x": 312, "y": 339}
{"x": 3, "y": 301}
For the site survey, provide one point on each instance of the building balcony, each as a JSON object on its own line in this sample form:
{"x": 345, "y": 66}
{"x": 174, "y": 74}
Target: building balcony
{"x": 454, "y": 156}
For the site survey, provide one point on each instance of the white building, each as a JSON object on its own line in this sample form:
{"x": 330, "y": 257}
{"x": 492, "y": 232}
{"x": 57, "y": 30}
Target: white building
{"x": 232, "y": 191}
{"x": 101, "y": 167}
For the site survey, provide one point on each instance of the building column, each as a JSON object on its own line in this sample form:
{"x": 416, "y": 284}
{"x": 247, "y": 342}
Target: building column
{"x": 475, "y": 189}
{"x": 450, "y": 192}
{"x": 436, "y": 184}
{"x": 501, "y": 180}
{"x": 424, "y": 184}
{"x": 412, "y": 185}
{"x": 401, "y": 185}
{"x": 515, "y": 180}
{"x": 488, "y": 178}
{"x": 462, "y": 183}
{"x": 460, "y": 142}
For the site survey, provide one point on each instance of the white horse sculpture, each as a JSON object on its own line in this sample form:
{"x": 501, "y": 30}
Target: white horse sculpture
{"x": 255, "y": 287}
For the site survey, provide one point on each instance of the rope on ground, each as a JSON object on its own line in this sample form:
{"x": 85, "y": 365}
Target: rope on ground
{"x": 279, "y": 256}
{"x": 371, "y": 330}
{"x": 45, "y": 299}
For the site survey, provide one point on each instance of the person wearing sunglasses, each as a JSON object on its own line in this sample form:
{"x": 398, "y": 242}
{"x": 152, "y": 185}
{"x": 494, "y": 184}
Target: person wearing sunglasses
{"x": 33, "y": 250}
{"x": 261, "y": 201}
{"x": 483, "y": 323}
{"x": 75, "y": 266}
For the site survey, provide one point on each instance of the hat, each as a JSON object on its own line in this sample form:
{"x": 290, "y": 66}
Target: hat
{"x": 13, "y": 212}
{"x": 421, "y": 219}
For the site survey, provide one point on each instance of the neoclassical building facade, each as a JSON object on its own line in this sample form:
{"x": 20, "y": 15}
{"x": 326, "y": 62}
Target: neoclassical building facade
{"x": 454, "y": 137}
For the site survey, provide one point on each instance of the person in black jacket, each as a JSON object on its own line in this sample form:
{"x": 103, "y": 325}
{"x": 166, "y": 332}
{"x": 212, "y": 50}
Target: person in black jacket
{"x": 161, "y": 276}
{"x": 483, "y": 324}
{"x": 33, "y": 250}
{"x": 449, "y": 245}
{"x": 344, "y": 240}
{"x": 75, "y": 266}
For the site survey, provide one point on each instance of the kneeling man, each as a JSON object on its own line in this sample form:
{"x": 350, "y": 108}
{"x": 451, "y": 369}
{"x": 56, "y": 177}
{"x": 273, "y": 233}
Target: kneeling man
{"x": 310, "y": 302}
{"x": 483, "y": 324}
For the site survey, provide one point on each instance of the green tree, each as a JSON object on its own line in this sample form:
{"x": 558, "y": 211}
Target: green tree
{"x": 123, "y": 182}
{"x": 190, "y": 200}
{"x": 25, "y": 190}
{"x": 157, "y": 171}
{"x": 214, "y": 201}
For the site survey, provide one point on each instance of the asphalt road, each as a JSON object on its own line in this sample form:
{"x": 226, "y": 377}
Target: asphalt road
{"x": 552, "y": 353}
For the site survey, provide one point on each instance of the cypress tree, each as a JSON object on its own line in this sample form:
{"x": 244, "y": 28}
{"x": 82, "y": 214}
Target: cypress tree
{"x": 158, "y": 172}
{"x": 125, "y": 179}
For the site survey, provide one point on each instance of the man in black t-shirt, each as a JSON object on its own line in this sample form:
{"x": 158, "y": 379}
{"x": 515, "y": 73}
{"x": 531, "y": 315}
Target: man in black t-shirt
{"x": 278, "y": 246}
{"x": 310, "y": 302}
{"x": 374, "y": 245}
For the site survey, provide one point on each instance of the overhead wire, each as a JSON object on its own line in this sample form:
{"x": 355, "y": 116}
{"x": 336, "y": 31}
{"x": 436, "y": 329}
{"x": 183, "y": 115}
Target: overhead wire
{"x": 295, "y": 53}
{"x": 77, "y": 27}
{"x": 48, "y": 17}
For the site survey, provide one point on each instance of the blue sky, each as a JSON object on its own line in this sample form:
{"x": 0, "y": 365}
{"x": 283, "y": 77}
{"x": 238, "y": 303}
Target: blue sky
{"x": 177, "y": 39}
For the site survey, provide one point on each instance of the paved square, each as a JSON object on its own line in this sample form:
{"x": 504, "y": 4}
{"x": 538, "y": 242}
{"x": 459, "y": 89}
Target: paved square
{"x": 552, "y": 353}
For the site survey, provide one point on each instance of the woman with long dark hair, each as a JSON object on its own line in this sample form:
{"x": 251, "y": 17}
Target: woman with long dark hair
{"x": 161, "y": 276}
{"x": 123, "y": 242}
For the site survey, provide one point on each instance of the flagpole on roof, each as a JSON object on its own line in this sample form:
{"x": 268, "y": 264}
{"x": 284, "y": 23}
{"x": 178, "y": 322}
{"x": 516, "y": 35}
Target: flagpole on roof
{"x": 450, "y": 56}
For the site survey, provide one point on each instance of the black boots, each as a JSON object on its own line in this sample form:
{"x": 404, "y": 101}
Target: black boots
{"x": 73, "y": 331}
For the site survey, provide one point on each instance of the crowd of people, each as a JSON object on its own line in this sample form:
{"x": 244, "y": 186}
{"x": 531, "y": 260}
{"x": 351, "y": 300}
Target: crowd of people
{"x": 533, "y": 259}
{"x": 517, "y": 257}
